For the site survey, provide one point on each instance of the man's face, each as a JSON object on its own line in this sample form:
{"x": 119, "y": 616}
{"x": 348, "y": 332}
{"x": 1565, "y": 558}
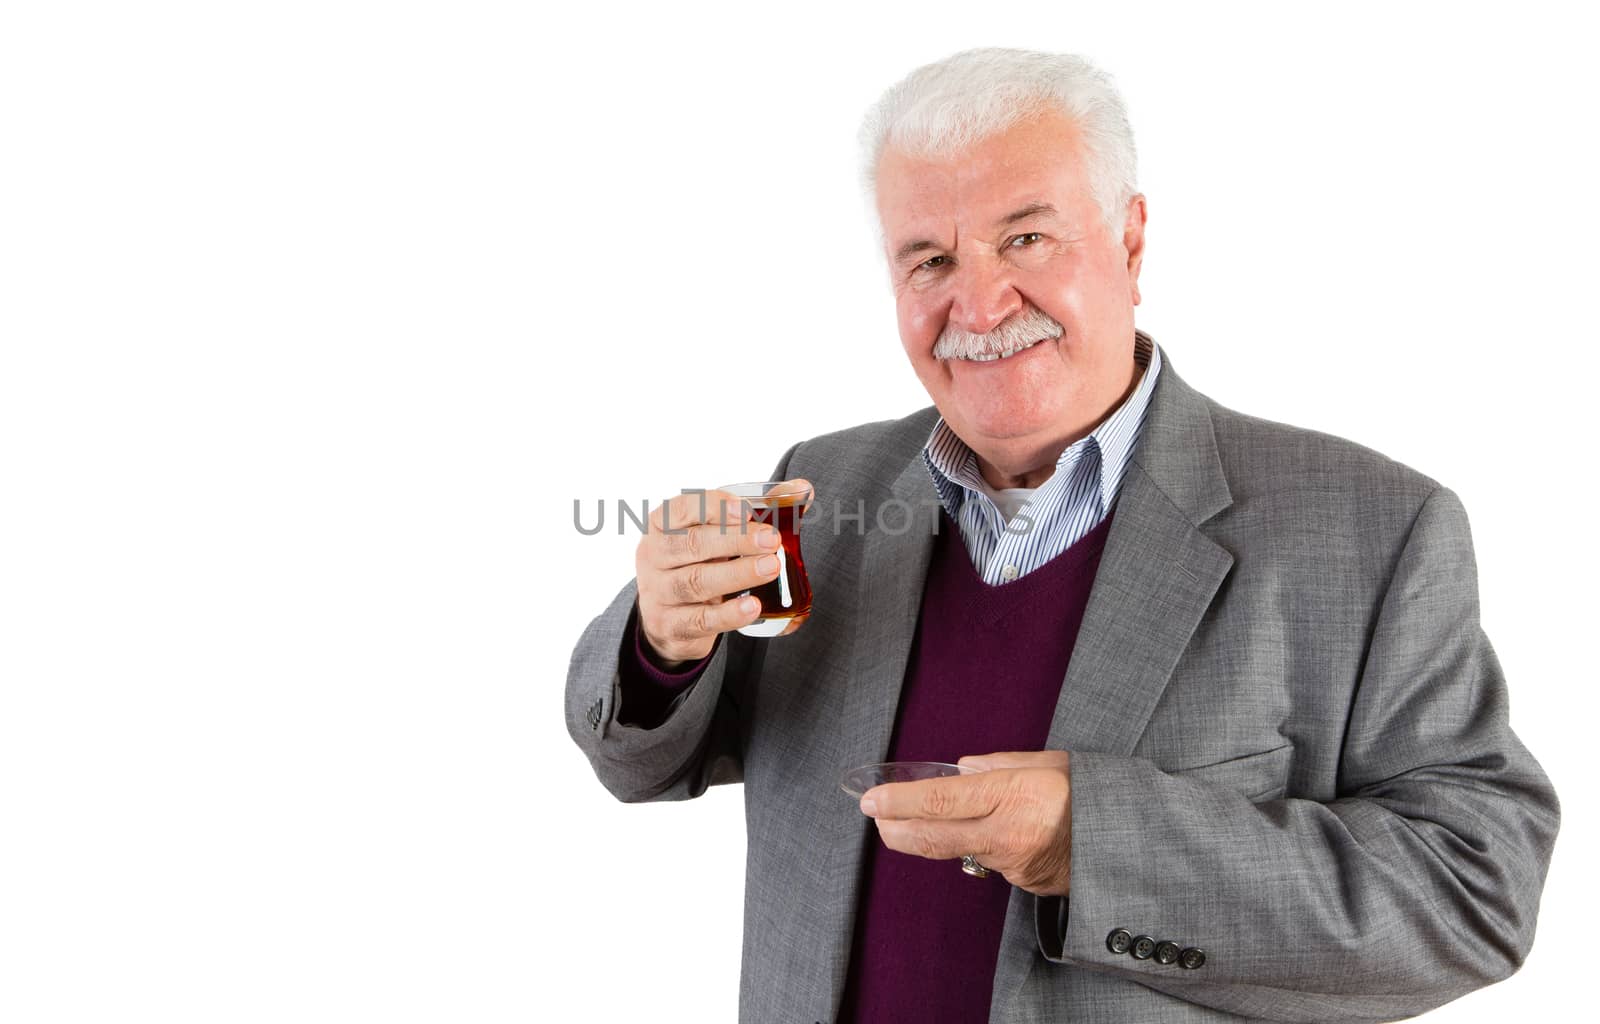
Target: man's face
{"x": 1003, "y": 232}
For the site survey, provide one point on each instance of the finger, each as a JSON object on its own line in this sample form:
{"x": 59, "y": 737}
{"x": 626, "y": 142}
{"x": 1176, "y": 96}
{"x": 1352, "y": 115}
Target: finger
{"x": 696, "y": 622}
{"x": 706, "y": 581}
{"x": 798, "y": 485}
{"x": 1016, "y": 759}
{"x": 695, "y": 507}
{"x": 709, "y": 542}
{"x": 961, "y": 796}
{"x": 945, "y": 840}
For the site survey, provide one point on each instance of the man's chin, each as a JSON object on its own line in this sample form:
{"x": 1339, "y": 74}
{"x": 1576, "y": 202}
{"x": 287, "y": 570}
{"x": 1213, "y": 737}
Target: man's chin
{"x": 996, "y": 428}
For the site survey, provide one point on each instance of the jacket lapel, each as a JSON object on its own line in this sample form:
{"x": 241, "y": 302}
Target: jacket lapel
{"x": 1156, "y": 579}
{"x": 893, "y": 571}
{"x": 1157, "y": 576}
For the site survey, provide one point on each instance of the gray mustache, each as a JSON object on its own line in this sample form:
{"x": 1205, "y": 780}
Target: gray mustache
{"x": 1030, "y": 324}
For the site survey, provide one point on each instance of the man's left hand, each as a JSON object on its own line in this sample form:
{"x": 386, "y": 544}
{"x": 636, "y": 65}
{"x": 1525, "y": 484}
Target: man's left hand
{"x": 1015, "y": 817}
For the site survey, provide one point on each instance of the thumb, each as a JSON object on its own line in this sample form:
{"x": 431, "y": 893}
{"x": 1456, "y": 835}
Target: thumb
{"x": 1015, "y": 759}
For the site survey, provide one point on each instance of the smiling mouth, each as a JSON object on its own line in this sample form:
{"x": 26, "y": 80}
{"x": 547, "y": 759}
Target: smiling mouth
{"x": 1005, "y": 354}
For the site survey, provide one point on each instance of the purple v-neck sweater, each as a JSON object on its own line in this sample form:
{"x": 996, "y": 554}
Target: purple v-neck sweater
{"x": 984, "y": 673}
{"x": 983, "y": 677}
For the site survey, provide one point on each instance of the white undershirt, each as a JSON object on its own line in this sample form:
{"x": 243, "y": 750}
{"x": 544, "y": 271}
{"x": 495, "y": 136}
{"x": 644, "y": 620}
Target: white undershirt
{"x": 1009, "y": 500}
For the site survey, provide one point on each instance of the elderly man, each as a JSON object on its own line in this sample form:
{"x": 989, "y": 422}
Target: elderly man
{"x": 1243, "y": 746}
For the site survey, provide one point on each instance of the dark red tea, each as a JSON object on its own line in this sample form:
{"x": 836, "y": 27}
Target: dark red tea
{"x": 786, "y": 601}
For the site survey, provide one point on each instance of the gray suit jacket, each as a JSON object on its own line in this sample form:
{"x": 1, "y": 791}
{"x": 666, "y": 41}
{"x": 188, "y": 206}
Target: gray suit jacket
{"x": 1288, "y": 734}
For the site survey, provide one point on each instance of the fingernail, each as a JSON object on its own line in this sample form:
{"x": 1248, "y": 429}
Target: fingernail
{"x": 767, "y": 538}
{"x": 767, "y": 565}
{"x": 748, "y": 605}
{"x": 869, "y": 807}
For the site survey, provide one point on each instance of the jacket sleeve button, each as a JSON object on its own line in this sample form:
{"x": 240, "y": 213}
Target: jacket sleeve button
{"x": 1167, "y": 952}
{"x": 1143, "y": 947}
{"x": 1192, "y": 959}
{"x": 1119, "y": 940}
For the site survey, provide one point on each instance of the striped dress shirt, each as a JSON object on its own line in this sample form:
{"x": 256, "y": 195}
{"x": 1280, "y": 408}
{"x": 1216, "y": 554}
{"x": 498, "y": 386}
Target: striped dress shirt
{"x": 1065, "y": 507}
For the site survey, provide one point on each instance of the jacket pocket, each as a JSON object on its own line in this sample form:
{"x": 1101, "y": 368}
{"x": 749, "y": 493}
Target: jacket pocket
{"x": 1263, "y": 775}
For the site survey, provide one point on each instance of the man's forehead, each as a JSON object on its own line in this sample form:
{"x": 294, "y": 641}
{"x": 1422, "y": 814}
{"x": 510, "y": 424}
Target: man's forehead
{"x": 922, "y": 211}
{"x": 1030, "y": 169}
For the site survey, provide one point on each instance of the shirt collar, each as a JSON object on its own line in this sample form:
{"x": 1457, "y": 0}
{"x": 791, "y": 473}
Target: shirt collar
{"x": 954, "y": 466}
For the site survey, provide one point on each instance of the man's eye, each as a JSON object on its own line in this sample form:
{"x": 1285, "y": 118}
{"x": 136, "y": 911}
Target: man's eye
{"x": 932, "y": 263}
{"x": 1027, "y": 239}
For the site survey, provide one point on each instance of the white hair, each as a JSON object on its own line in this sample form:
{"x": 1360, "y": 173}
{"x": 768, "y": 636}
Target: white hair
{"x": 943, "y": 108}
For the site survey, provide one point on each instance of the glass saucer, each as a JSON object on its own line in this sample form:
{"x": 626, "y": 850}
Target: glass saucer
{"x": 857, "y": 781}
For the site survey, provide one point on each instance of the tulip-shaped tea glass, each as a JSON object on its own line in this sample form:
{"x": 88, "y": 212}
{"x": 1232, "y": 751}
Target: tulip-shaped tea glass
{"x": 785, "y": 601}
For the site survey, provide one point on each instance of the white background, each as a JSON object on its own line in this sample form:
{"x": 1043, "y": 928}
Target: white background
{"x": 316, "y": 319}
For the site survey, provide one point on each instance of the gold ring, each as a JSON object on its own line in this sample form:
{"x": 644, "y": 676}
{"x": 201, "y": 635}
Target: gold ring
{"x": 970, "y": 865}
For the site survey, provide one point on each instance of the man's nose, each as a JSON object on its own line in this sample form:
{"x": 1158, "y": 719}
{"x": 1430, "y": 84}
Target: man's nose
{"x": 984, "y": 298}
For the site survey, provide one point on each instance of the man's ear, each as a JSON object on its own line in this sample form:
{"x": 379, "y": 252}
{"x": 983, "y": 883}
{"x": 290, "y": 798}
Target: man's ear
{"x": 1133, "y": 241}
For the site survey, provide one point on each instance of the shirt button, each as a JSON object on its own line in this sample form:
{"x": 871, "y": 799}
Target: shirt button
{"x": 1009, "y": 573}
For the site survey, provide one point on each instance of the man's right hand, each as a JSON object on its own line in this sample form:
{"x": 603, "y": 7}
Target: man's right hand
{"x": 713, "y": 550}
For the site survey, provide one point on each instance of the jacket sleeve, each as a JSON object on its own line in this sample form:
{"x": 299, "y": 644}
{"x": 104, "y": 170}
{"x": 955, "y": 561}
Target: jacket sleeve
{"x": 646, "y": 693}
{"x": 1417, "y": 883}
{"x": 696, "y": 746}
{"x": 700, "y": 742}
